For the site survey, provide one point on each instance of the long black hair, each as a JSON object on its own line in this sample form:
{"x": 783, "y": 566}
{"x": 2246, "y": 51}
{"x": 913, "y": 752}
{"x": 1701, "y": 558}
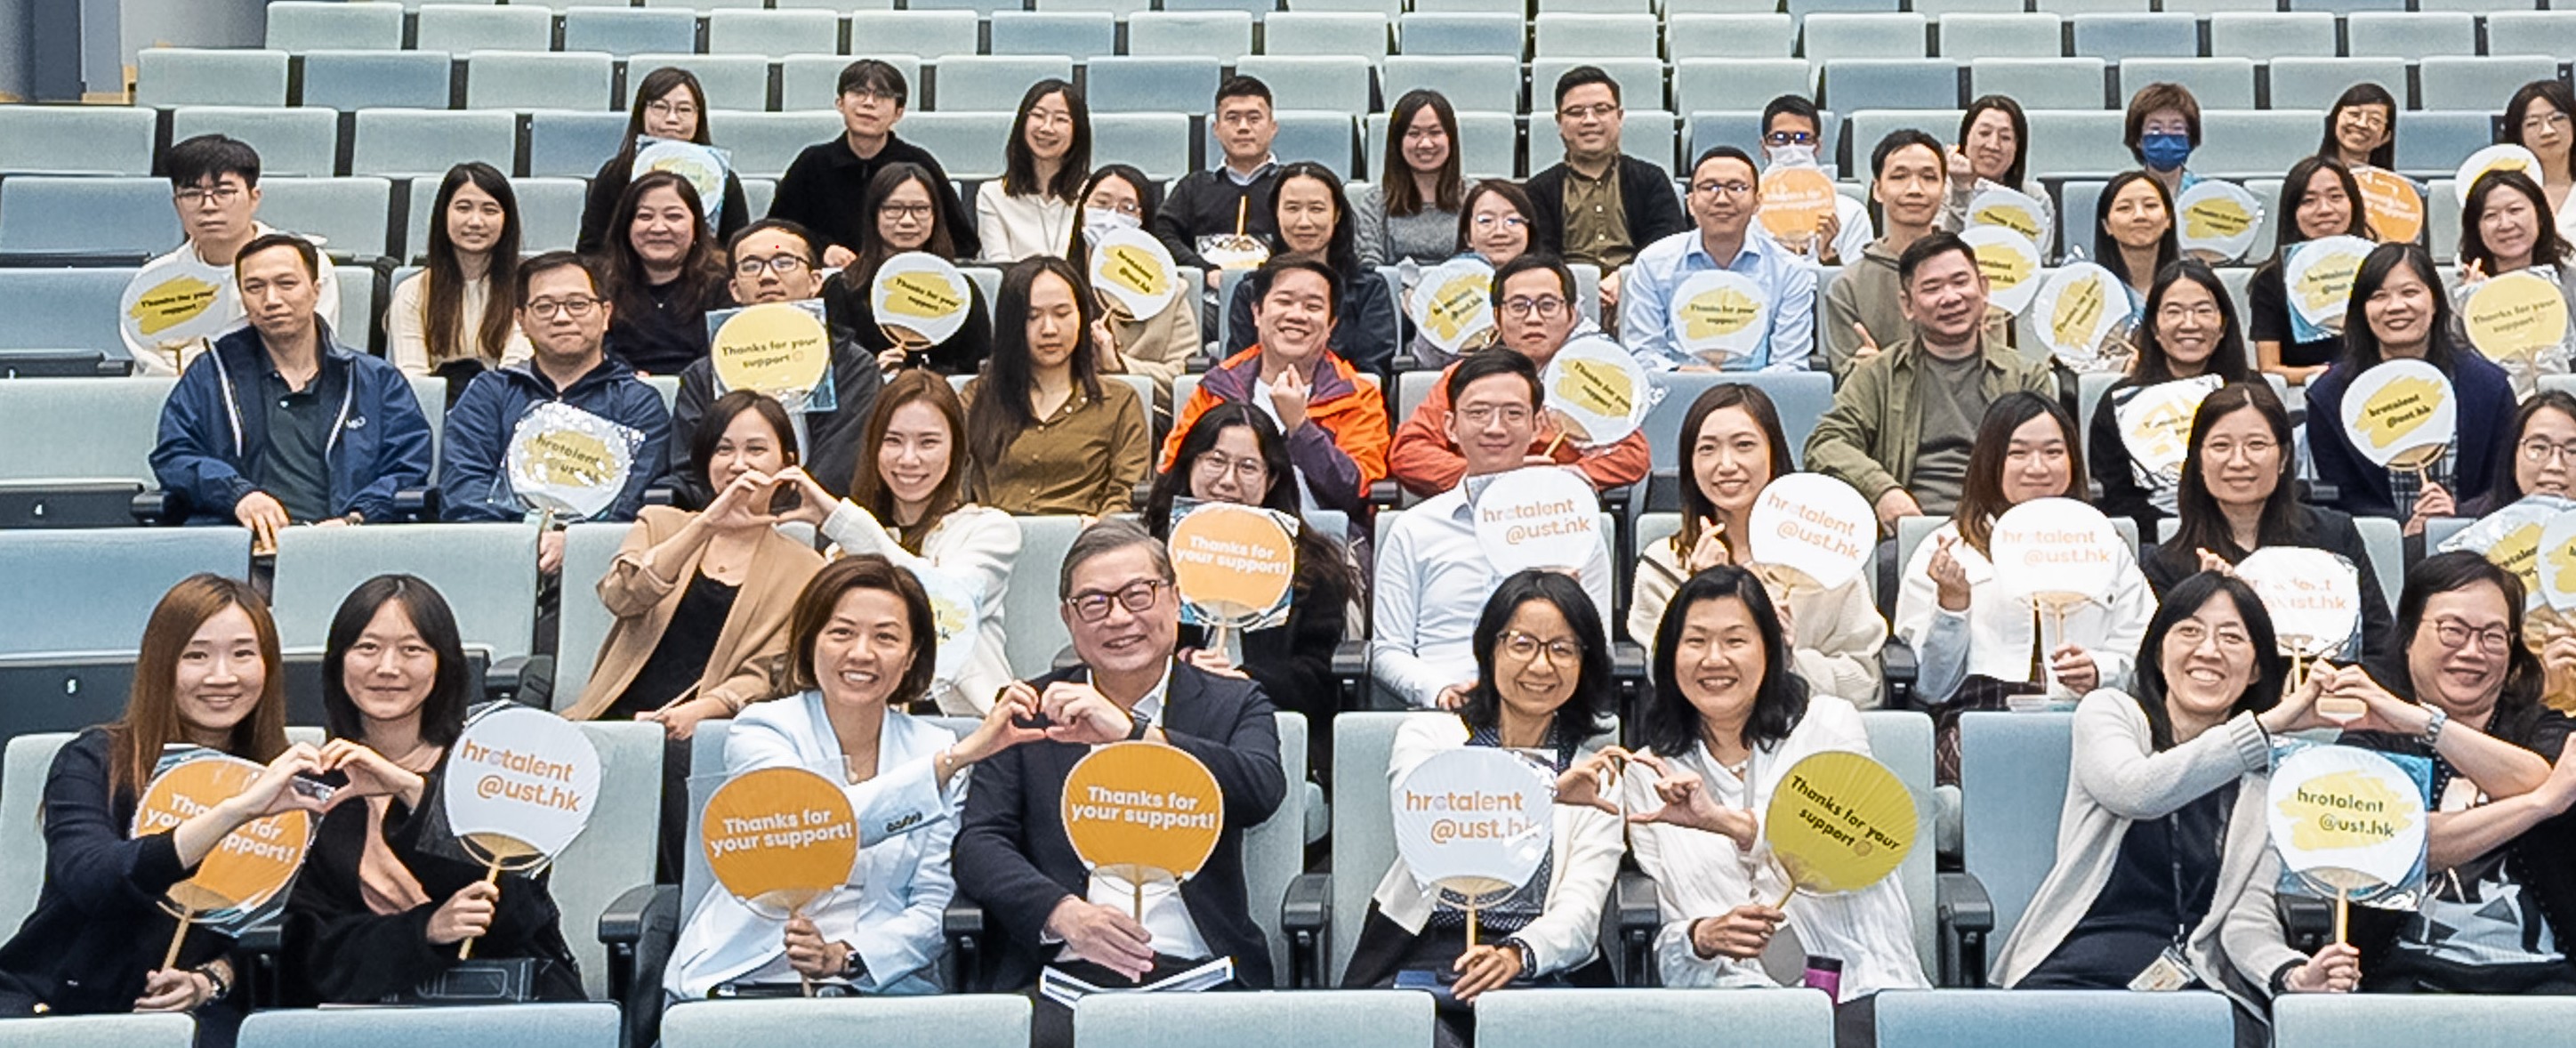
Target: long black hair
{"x": 1587, "y": 712}
{"x": 1317, "y": 556}
{"x": 1671, "y": 724}
{"x": 442, "y": 714}
{"x": 1000, "y": 410}
{"x": 2011, "y": 110}
{"x": 2180, "y": 602}
{"x": 2294, "y": 194}
{"x": 2360, "y": 344}
{"x": 1020, "y": 163}
{"x": 2199, "y": 521}
{"x": 1342, "y": 252}
{"x": 2383, "y": 155}
{"x": 2507, "y": 488}
{"x": 1149, "y": 198}
{"x": 2553, "y": 91}
{"x": 442, "y": 321}
{"x": 2106, "y": 248}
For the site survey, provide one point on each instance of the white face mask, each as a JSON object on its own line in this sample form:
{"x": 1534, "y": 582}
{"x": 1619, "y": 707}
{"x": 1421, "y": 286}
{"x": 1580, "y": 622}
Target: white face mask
{"x": 1096, "y": 224}
{"x": 1791, "y": 156}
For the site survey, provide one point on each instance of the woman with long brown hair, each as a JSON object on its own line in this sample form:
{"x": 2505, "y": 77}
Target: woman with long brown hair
{"x": 443, "y": 320}
{"x": 208, "y": 675}
{"x": 670, "y": 105}
{"x": 908, "y": 504}
{"x": 664, "y": 273}
{"x": 1047, "y": 434}
{"x": 1412, "y": 210}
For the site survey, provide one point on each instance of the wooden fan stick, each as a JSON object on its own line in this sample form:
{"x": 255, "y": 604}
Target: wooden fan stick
{"x": 2343, "y": 912}
{"x": 170, "y": 958}
{"x": 491, "y": 875}
{"x": 1471, "y": 923}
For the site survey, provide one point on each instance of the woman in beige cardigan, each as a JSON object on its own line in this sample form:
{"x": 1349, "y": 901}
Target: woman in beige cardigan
{"x": 702, "y": 599}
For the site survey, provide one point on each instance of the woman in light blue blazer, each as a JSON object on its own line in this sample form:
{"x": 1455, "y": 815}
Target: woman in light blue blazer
{"x": 863, "y": 646}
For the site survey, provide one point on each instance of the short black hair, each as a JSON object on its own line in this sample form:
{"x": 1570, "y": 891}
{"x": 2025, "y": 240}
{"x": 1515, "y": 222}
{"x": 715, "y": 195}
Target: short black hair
{"x": 1793, "y": 105}
{"x": 1241, "y": 86}
{"x": 210, "y": 157}
{"x": 869, "y": 74}
{"x": 1270, "y": 271}
{"x": 1530, "y": 260}
{"x": 1721, "y": 153}
{"x": 554, "y": 260}
{"x": 304, "y": 251}
{"x": 813, "y": 255}
{"x": 1925, "y": 249}
{"x": 1899, "y": 139}
{"x": 1476, "y": 366}
{"x": 720, "y": 416}
{"x": 1583, "y": 75}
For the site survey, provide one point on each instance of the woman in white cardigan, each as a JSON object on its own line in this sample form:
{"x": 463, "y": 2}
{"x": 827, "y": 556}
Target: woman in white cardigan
{"x": 1975, "y": 645}
{"x": 1736, "y": 448}
{"x": 1728, "y": 719}
{"x": 1542, "y": 683}
{"x": 2163, "y": 851}
{"x": 863, "y": 646}
{"x": 906, "y": 505}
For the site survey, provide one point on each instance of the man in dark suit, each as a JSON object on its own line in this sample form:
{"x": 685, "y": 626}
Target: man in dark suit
{"x": 1012, "y": 855}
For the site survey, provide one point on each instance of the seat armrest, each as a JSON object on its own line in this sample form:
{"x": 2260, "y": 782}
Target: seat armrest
{"x": 416, "y": 504}
{"x": 1383, "y": 493}
{"x": 660, "y": 495}
{"x": 1351, "y": 673}
{"x": 1640, "y": 918}
{"x": 627, "y": 916}
{"x": 1629, "y": 688}
{"x": 158, "y": 507}
{"x": 524, "y": 679}
{"x": 638, "y": 928}
{"x": 2306, "y": 922}
{"x": 1967, "y": 916}
{"x": 961, "y": 966}
{"x": 1898, "y": 671}
{"x": 1306, "y": 918}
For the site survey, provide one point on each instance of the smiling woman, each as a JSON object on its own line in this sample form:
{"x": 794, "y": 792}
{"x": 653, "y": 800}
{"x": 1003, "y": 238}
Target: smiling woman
{"x": 2190, "y": 330}
{"x": 664, "y": 273}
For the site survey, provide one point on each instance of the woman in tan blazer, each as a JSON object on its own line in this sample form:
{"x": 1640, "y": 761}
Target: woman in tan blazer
{"x": 702, "y": 599}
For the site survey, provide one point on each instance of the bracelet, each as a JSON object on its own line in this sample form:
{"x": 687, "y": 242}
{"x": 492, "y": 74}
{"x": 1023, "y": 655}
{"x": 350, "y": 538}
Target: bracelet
{"x": 2432, "y": 733}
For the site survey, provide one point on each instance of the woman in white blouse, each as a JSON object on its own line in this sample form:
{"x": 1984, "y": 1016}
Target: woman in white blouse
{"x": 1729, "y": 717}
{"x": 907, "y": 504}
{"x": 863, "y": 647}
{"x": 1732, "y": 434}
{"x": 1029, "y": 210}
{"x": 1975, "y": 644}
{"x": 442, "y": 318}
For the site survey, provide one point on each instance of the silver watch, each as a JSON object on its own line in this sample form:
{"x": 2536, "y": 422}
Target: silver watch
{"x": 2432, "y": 733}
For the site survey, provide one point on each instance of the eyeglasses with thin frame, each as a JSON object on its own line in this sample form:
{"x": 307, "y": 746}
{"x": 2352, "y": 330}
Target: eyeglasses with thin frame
{"x": 1730, "y": 187}
{"x": 671, "y": 110}
{"x": 783, "y": 265}
{"x": 1485, "y": 414}
{"x": 1486, "y": 223}
{"x": 916, "y": 212}
{"x": 576, "y": 308}
{"x": 2537, "y": 450}
{"x": 1545, "y": 306}
{"x": 1135, "y": 596}
{"x": 2192, "y": 634}
{"x": 1523, "y": 647}
{"x": 199, "y": 196}
{"x": 2175, "y": 313}
{"x": 2455, "y": 634}
{"x": 1595, "y": 111}
{"x": 1249, "y": 472}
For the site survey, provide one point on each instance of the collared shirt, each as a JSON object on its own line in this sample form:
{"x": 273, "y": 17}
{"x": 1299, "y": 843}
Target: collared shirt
{"x": 295, "y": 467}
{"x": 1432, "y": 581}
{"x": 1646, "y": 306}
{"x": 1165, "y": 914}
{"x": 1596, "y": 220}
{"x": 1269, "y": 166}
{"x": 1086, "y": 458}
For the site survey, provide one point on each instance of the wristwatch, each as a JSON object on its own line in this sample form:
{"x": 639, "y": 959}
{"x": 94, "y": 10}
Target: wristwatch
{"x": 853, "y": 966}
{"x": 2433, "y": 726}
{"x": 1137, "y": 724}
{"x": 1529, "y": 962}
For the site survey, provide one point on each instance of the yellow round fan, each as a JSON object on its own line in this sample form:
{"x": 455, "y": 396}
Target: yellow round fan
{"x": 1839, "y": 822}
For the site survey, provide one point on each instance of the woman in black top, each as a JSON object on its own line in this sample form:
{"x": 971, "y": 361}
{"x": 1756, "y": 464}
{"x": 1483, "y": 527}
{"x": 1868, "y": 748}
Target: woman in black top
{"x": 2189, "y": 330}
{"x": 669, "y": 104}
{"x": 2322, "y": 200}
{"x": 903, "y": 213}
{"x": 1315, "y": 220}
{"x": 386, "y": 897}
{"x": 2239, "y": 493}
{"x": 1234, "y": 453}
{"x": 207, "y": 675}
{"x": 664, "y": 273}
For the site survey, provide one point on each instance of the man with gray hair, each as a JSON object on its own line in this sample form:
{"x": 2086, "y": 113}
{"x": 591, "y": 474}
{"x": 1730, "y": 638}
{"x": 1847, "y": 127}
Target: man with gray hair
{"x": 1064, "y": 929}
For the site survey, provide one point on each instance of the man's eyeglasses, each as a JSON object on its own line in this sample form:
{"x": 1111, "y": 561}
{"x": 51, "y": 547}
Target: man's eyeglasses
{"x": 1546, "y": 306}
{"x": 576, "y": 308}
{"x": 1134, "y": 596}
{"x": 199, "y": 196}
{"x": 782, "y": 265}
{"x": 1789, "y": 138}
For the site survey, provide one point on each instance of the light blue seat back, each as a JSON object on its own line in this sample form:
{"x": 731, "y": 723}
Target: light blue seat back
{"x": 2226, "y": 82}
{"x": 2314, "y": 83}
{"x": 1029, "y": 601}
{"x": 1325, "y": 33}
{"x": 1079, "y": 35}
{"x": 1552, "y": 1018}
{"x": 2255, "y": 143}
{"x": 50, "y": 215}
{"x": 145, "y": 1030}
{"x": 1221, "y": 35}
{"x": 731, "y": 81}
{"x": 347, "y": 213}
{"x": 1311, "y": 81}
{"x": 1343, "y": 1018}
{"x": 1182, "y": 84}
{"x": 354, "y": 80}
{"x": 2069, "y": 81}
{"x": 758, "y": 32}
{"x": 80, "y": 428}
{"x": 617, "y": 850}
{"x": 2013, "y": 769}
{"x": 984, "y": 1020}
{"x": 76, "y": 140}
{"x": 623, "y": 31}
{"x": 584, "y": 1025}
{"x": 528, "y": 80}
{"x": 1274, "y": 852}
{"x": 969, "y": 145}
{"x": 2093, "y": 1018}
{"x": 487, "y": 572}
{"x": 177, "y": 76}
{"x": 583, "y": 627}
{"x": 2472, "y": 81}
{"x": 412, "y": 142}
{"x": 460, "y": 28}
{"x": 291, "y": 141}
{"x": 1157, "y": 143}
{"x": 972, "y": 83}
{"x": 572, "y": 144}
{"x": 2388, "y": 1021}
{"x": 921, "y": 34}
{"x": 1323, "y": 136}
{"x": 1902, "y": 740}
{"x": 29, "y": 760}
{"x": 92, "y": 590}
{"x": 1702, "y": 84}
{"x": 2387, "y": 548}
{"x": 298, "y": 26}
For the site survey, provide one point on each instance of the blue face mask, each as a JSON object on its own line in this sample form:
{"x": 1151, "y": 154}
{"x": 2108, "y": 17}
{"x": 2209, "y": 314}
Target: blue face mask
{"x": 2165, "y": 151}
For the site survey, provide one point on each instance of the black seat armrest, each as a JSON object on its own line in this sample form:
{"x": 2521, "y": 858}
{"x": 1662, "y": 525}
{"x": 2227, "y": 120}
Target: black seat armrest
{"x": 1967, "y": 916}
{"x": 1899, "y": 670}
{"x": 638, "y": 928}
{"x": 961, "y": 967}
{"x": 1351, "y": 673}
{"x": 1640, "y": 918}
{"x": 524, "y": 679}
{"x": 1306, "y": 918}
{"x": 2308, "y": 923}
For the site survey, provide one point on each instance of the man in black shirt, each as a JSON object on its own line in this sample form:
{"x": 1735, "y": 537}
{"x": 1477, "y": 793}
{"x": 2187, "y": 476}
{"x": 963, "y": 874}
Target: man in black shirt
{"x": 1234, "y": 197}
{"x": 824, "y": 188}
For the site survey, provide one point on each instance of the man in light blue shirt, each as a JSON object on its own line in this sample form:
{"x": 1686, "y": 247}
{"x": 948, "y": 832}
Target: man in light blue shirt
{"x": 1725, "y": 193}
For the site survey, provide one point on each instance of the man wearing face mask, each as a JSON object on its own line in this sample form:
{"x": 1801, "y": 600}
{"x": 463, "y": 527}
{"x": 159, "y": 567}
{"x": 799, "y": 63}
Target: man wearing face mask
{"x": 1902, "y": 425}
{"x": 2162, "y": 129}
{"x": 1724, "y": 195}
{"x": 1534, "y": 315}
{"x": 1791, "y": 138}
{"x": 1865, "y": 308}
{"x": 1598, "y": 205}
{"x": 1334, "y": 417}
{"x": 774, "y": 260}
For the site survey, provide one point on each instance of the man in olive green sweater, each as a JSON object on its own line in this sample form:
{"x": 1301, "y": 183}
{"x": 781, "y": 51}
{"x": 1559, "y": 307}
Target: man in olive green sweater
{"x": 1902, "y": 424}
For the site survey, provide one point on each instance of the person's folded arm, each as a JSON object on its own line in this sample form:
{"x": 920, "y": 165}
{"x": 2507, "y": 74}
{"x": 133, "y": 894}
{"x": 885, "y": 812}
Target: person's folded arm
{"x": 2114, "y": 767}
{"x": 990, "y": 858}
{"x": 1245, "y": 763}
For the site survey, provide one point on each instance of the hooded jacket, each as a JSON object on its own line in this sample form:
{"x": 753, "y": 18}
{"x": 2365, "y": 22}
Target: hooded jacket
{"x": 475, "y": 483}
{"x": 212, "y": 444}
{"x": 1340, "y": 454}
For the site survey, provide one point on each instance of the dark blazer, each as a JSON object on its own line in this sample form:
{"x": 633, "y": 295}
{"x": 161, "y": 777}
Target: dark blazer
{"x": 98, "y": 928}
{"x": 1645, "y": 193}
{"x": 2486, "y": 405}
{"x": 340, "y": 951}
{"x": 1012, "y": 856}
{"x": 2382, "y": 652}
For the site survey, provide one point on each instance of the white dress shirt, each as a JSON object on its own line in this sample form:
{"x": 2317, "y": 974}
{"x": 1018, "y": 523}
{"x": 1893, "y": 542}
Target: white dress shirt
{"x": 1432, "y": 581}
{"x": 1788, "y": 281}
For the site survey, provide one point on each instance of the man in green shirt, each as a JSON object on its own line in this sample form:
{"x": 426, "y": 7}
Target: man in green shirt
{"x": 1902, "y": 423}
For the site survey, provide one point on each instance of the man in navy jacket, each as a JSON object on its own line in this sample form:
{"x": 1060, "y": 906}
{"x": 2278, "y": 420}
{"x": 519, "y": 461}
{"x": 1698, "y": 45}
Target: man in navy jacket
{"x": 278, "y": 424}
{"x": 565, "y": 318}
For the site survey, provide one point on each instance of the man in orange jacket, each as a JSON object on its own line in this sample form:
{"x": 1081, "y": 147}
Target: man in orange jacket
{"x": 1535, "y": 313}
{"x": 1335, "y": 418}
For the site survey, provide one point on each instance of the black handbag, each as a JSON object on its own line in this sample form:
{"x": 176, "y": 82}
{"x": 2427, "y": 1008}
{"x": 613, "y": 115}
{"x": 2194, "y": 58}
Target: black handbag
{"x": 509, "y": 980}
